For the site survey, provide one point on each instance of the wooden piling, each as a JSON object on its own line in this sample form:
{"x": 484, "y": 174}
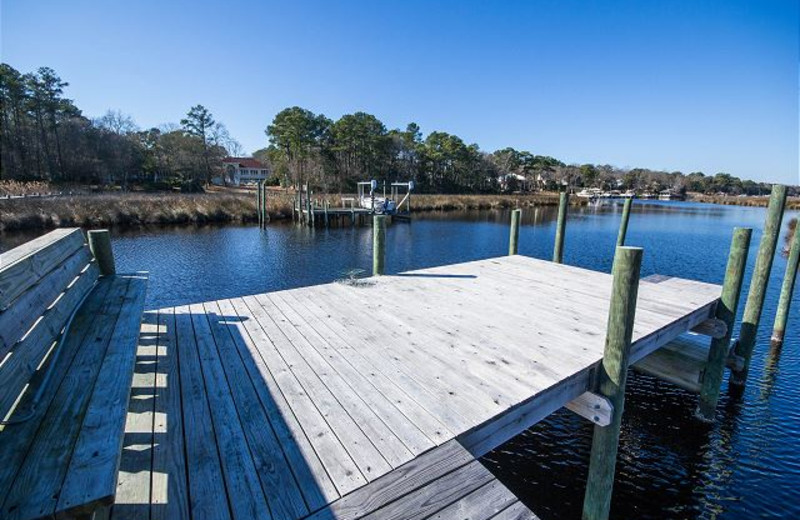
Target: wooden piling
{"x": 558, "y": 250}
{"x": 726, "y": 312}
{"x": 612, "y": 376}
{"x": 758, "y": 283}
{"x": 258, "y": 202}
{"x": 788, "y": 287}
{"x": 100, "y": 246}
{"x": 325, "y": 209}
{"x": 378, "y": 244}
{"x": 623, "y": 226}
{"x": 513, "y": 240}
{"x": 264, "y": 207}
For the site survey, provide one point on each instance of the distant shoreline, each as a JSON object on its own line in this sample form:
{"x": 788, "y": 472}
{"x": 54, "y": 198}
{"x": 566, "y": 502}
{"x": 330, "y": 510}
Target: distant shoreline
{"x": 231, "y": 205}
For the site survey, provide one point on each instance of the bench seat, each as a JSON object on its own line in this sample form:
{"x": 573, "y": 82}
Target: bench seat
{"x": 61, "y": 459}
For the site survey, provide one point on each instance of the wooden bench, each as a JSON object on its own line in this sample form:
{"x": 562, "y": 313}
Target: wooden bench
{"x": 68, "y": 333}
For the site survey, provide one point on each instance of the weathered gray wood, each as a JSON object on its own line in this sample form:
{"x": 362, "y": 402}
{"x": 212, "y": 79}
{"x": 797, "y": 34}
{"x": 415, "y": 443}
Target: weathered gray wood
{"x": 100, "y": 244}
{"x": 726, "y": 314}
{"x": 592, "y": 407}
{"x": 238, "y": 469}
{"x": 134, "y": 490}
{"x": 277, "y": 482}
{"x": 516, "y": 511}
{"x": 513, "y": 240}
{"x": 36, "y": 487}
{"x": 713, "y": 327}
{"x": 30, "y": 305}
{"x": 434, "y": 497}
{"x": 170, "y": 493}
{"x": 411, "y": 476}
{"x": 204, "y": 470}
{"x": 16, "y": 439}
{"x": 561, "y": 227}
{"x": 680, "y": 362}
{"x": 91, "y": 477}
{"x": 758, "y": 282}
{"x": 315, "y": 483}
{"x": 612, "y": 377}
{"x": 378, "y": 244}
{"x": 482, "y": 504}
{"x": 787, "y": 288}
{"x": 25, "y": 265}
{"x": 21, "y": 361}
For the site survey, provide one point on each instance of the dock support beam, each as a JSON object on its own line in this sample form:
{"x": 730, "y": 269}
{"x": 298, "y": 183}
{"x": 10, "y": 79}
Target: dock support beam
{"x": 623, "y": 226}
{"x": 378, "y": 244}
{"x": 558, "y": 249}
{"x": 612, "y": 376}
{"x": 100, "y": 246}
{"x": 513, "y": 239}
{"x": 788, "y": 286}
{"x": 758, "y": 284}
{"x": 725, "y": 312}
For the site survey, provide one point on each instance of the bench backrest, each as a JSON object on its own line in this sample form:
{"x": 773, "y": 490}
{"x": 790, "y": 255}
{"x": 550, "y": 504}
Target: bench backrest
{"x": 41, "y": 283}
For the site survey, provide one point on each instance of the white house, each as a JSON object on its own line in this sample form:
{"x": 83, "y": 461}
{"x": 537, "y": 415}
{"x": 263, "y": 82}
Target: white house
{"x": 244, "y": 170}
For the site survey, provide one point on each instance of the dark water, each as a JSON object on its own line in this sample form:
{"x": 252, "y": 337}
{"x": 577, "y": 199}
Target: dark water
{"x": 746, "y": 465}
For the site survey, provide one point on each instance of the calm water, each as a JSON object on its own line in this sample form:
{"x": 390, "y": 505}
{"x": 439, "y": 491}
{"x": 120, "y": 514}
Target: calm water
{"x": 746, "y": 465}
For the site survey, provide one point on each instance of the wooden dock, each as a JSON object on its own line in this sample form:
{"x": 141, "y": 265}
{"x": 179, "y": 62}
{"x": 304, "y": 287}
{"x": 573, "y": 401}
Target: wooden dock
{"x": 371, "y": 399}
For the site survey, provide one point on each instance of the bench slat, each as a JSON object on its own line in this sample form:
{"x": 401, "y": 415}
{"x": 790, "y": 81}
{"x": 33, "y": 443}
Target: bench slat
{"x": 18, "y": 319}
{"x": 16, "y": 439}
{"x": 18, "y": 364}
{"x": 36, "y": 486}
{"x": 92, "y": 475}
{"x": 24, "y": 266}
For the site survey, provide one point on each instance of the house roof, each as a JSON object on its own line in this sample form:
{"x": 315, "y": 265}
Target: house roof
{"x": 245, "y": 162}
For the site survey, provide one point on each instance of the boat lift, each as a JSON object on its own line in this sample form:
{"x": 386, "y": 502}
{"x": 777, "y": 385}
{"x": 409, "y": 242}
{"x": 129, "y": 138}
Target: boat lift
{"x": 386, "y": 204}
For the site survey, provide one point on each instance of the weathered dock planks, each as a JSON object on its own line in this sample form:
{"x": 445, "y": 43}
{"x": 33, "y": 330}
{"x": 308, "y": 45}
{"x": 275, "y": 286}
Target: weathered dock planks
{"x": 298, "y": 402}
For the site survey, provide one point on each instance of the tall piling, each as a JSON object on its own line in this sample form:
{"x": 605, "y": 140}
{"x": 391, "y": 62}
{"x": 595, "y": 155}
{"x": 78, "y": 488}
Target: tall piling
{"x": 100, "y": 246}
{"x": 259, "y": 200}
{"x": 726, "y": 312}
{"x": 758, "y": 284}
{"x": 782, "y": 316}
{"x": 612, "y": 376}
{"x": 623, "y": 226}
{"x": 558, "y": 249}
{"x": 513, "y": 239}
{"x": 378, "y": 244}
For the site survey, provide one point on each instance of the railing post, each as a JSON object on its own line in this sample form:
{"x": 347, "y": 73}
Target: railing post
{"x": 788, "y": 286}
{"x": 558, "y": 249}
{"x": 726, "y": 312}
{"x": 378, "y": 244}
{"x": 613, "y": 373}
{"x": 513, "y": 240}
{"x": 758, "y": 284}
{"x": 623, "y": 226}
{"x": 100, "y": 246}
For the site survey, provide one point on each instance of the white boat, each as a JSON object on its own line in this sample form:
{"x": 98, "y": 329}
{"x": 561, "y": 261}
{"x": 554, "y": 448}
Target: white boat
{"x": 382, "y": 204}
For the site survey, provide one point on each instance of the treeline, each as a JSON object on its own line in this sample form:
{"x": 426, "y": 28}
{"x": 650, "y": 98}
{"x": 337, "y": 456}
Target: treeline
{"x": 334, "y": 155}
{"x": 45, "y": 137}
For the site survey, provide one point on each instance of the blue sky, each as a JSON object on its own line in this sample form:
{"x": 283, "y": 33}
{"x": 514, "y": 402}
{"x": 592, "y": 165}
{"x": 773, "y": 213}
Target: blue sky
{"x": 679, "y": 85}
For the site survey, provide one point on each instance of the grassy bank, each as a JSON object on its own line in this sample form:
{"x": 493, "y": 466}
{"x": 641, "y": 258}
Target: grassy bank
{"x": 217, "y": 206}
{"x": 730, "y": 200}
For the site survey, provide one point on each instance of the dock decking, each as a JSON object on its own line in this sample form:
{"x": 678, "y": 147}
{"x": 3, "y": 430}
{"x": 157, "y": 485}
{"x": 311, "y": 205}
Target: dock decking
{"x": 283, "y": 405}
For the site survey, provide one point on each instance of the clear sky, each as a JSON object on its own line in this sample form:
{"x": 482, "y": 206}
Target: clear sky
{"x": 687, "y": 85}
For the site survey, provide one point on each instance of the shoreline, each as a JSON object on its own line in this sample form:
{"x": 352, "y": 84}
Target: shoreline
{"x": 230, "y": 205}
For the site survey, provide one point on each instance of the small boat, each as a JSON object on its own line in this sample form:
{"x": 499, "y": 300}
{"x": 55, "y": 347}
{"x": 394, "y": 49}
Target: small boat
{"x": 381, "y": 205}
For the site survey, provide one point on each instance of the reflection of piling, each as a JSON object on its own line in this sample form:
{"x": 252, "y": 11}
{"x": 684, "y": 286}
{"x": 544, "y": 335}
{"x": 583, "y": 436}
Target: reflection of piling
{"x": 725, "y": 312}
{"x": 513, "y": 240}
{"x": 623, "y": 226}
{"x": 558, "y": 249}
{"x": 612, "y": 375}
{"x": 788, "y": 287}
{"x": 758, "y": 284}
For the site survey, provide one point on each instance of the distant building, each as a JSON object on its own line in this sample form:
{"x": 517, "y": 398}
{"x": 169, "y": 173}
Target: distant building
{"x": 243, "y": 170}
